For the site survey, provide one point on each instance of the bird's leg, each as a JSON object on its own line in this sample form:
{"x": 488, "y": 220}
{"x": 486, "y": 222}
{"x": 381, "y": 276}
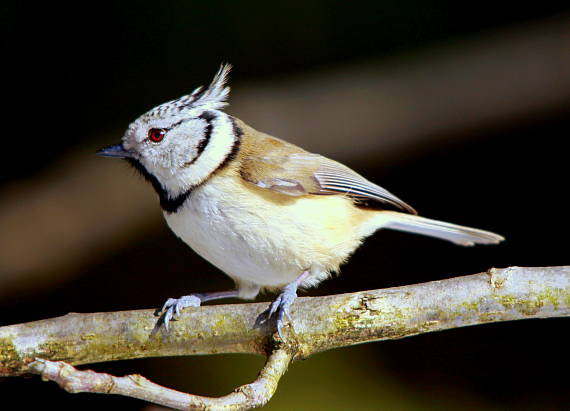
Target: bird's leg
{"x": 172, "y": 307}
{"x": 284, "y": 300}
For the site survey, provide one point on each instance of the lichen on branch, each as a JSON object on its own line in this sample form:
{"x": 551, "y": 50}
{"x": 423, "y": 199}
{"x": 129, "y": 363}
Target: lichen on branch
{"x": 319, "y": 323}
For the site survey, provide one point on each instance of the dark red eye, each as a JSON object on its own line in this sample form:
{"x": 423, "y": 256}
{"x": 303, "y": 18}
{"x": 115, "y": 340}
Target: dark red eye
{"x": 156, "y": 135}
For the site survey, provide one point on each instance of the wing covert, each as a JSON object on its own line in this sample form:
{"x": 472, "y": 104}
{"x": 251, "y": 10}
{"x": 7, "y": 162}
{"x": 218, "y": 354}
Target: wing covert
{"x": 302, "y": 173}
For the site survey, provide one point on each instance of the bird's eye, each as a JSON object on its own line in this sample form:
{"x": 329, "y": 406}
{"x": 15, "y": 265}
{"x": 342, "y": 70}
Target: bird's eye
{"x": 156, "y": 134}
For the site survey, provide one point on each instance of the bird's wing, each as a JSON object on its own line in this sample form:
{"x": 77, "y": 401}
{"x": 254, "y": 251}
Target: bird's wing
{"x": 302, "y": 173}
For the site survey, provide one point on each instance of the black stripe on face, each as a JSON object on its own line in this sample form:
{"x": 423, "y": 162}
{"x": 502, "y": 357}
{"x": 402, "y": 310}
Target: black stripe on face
{"x": 168, "y": 204}
{"x": 209, "y": 117}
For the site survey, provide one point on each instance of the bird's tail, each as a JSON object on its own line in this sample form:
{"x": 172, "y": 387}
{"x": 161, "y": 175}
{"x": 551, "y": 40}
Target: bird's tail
{"x": 457, "y": 234}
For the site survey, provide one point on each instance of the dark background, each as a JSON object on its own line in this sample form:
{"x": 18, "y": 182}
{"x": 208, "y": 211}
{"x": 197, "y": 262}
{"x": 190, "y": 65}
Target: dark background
{"x": 75, "y": 76}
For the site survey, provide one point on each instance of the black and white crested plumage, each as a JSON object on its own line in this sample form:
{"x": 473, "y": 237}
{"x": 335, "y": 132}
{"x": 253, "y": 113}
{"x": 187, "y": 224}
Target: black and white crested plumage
{"x": 213, "y": 97}
{"x": 264, "y": 211}
{"x": 199, "y": 138}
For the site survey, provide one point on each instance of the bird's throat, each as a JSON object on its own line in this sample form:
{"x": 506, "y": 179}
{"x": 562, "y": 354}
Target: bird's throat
{"x": 168, "y": 203}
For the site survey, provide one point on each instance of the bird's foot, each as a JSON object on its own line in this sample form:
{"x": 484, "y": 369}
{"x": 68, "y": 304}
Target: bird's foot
{"x": 173, "y": 306}
{"x": 280, "y": 307}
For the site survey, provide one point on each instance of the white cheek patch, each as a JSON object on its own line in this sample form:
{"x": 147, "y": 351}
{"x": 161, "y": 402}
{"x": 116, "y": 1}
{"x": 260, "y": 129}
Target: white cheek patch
{"x": 214, "y": 153}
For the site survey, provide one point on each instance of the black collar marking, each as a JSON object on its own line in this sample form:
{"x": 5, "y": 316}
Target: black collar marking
{"x": 168, "y": 204}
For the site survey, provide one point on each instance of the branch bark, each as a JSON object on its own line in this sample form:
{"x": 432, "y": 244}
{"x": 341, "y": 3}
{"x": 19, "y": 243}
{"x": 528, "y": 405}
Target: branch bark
{"x": 318, "y": 324}
{"x": 245, "y": 397}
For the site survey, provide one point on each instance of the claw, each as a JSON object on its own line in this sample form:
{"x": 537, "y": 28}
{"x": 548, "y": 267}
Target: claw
{"x": 166, "y": 319}
{"x": 274, "y": 306}
{"x": 173, "y": 306}
{"x": 168, "y": 303}
{"x": 280, "y": 307}
{"x": 282, "y": 304}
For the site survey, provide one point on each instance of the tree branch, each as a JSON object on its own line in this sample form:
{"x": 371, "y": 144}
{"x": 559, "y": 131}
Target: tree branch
{"x": 320, "y": 323}
{"x": 252, "y": 395}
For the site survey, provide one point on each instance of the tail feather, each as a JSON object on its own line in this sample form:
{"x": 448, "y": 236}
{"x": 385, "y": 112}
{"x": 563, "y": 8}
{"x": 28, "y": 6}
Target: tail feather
{"x": 457, "y": 234}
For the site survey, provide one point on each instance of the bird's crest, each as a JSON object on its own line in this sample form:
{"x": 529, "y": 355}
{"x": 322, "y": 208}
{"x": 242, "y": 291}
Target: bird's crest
{"x": 212, "y": 97}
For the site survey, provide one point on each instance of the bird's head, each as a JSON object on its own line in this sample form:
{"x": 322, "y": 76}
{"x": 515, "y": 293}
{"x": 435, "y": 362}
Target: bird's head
{"x": 178, "y": 144}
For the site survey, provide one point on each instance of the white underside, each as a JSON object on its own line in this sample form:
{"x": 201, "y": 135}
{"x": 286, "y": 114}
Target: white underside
{"x": 259, "y": 243}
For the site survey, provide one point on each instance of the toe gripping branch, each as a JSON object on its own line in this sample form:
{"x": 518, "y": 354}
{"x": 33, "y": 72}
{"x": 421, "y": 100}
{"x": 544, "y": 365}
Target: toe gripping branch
{"x": 280, "y": 307}
{"x": 173, "y": 306}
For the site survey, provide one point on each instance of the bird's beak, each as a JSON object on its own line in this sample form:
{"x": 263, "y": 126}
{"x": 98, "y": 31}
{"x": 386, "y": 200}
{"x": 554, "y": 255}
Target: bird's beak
{"x": 117, "y": 151}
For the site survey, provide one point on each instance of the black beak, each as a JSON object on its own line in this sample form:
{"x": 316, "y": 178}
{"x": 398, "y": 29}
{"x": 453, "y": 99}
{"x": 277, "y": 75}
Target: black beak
{"x": 117, "y": 151}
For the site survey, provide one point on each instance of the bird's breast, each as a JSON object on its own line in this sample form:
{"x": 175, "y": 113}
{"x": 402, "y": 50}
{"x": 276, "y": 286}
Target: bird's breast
{"x": 265, "y": 238}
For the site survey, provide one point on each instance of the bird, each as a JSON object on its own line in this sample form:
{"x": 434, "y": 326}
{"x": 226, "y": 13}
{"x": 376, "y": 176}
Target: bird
{"x": 269, "y": 214}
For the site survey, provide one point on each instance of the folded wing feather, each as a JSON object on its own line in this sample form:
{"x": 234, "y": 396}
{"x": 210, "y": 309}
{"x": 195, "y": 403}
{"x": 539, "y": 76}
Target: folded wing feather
{"x": 302, "y": 173}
